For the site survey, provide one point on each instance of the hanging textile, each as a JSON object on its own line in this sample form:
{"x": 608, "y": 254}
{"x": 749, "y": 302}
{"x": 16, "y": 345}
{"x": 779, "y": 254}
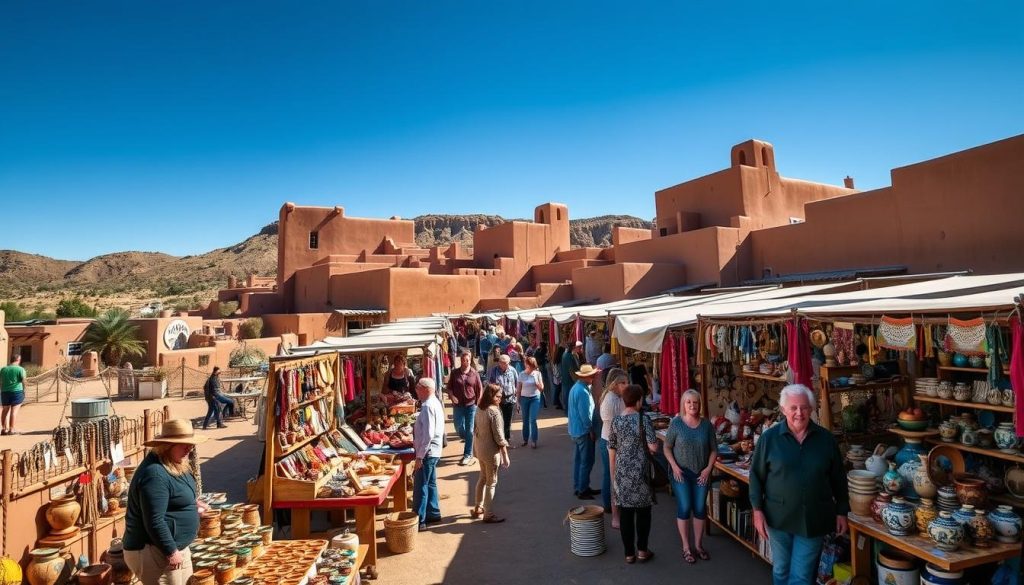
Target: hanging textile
{"x": 929, "y": 341}
{"x": 1017, "y": 372}
{"x": 350, "y": 380}
{"x": 667, "y": 374}
{"x": 578, "y": 328}
{"x": 966, "y": 337}
{"x": 684, "y": 368}
{"x": 428, "y": 366}
{"x": 747, "y": 346}
{"x": 898, "y": 334}
{"x": 798, "y": 334}
{"x": 996, "y": 354}
{"x": 615, "y": 346}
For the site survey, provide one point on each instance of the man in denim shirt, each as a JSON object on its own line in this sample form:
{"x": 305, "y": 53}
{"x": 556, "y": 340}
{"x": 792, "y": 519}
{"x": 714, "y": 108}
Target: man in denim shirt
{"x": 505, "y": 376}
{"x": 581, "y": 413}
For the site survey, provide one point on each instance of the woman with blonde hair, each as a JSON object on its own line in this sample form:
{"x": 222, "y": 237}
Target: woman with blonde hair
{"x": 529, "y": 390}
{"x": 691, "y": 450}
{"x": 162, "y": 516}
{"x": 491, "y": 450}
{"x": 610, "y": 406}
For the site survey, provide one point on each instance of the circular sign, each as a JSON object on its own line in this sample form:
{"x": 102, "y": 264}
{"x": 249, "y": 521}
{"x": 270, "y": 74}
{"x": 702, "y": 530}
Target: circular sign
{"x": 176, "y": 334}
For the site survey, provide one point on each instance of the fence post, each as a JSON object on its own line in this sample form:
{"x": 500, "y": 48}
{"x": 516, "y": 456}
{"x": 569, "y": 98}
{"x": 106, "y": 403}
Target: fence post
{"x": 182, "y": 377}
{"x": 147, "y": 426}
{"x": 167, "y": 412}
{"x": 6, "y": 482}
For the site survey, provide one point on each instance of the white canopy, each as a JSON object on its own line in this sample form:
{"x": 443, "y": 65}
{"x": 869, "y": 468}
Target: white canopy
{"x": 401, "y": 334}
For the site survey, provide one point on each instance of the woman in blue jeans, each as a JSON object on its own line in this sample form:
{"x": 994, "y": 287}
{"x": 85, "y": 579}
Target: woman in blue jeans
{"x": 528, "y": 393}
{"x": 610, "y": 406}
{"x": 691, "y": 450}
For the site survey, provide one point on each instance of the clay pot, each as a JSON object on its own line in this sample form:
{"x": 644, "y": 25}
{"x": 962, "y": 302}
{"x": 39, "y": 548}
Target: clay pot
{"x": 1005, "y": 522}
{"x": 922, "y": 481}
{"x": 62, "y": 514}
{"x": 204, "y": 577}
{"x": 892, "y": 481}
{"x": 980, "y": 529}
{"x": 924, "y": 514}
{"x": 946, "y": 532}
{"x": 970, "y": 489}
{"x": 100, "y": 574}
{"x": 121, "y": 574}
{"x": 251, "y": 514}
{"x": 898, "y": 517}
{"x": 46, "y": 566}
{"x": 879, "y": 504}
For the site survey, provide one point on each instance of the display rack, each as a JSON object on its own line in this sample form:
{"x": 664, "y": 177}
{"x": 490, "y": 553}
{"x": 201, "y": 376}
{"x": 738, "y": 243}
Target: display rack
{"x": 828, "y": 374}
{"x": 733, "y": 522}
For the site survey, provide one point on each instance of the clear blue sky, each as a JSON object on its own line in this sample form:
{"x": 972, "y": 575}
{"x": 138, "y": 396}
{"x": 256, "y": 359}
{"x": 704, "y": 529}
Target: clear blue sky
{"x": 183, "y": 126}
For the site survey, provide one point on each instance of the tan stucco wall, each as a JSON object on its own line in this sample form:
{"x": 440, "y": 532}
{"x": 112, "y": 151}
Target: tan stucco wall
{"x": 626, "y": 281}
{"x": 51, "y": 351}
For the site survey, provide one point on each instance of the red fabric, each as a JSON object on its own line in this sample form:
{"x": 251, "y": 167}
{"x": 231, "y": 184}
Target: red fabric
{"x": 578, "y": 328}
{"x": 797, "y": 333}
{"x": 684, "y": 370}
{"x": 552, "y": 342}
{"x": 428, "y": 368}
{"x": 350, "y": 381}
{"x": 1017, "y": 372}
{"x": 668, "y": 374}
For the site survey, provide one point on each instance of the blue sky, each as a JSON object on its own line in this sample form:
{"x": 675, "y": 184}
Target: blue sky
{"x": 183, "y": 126}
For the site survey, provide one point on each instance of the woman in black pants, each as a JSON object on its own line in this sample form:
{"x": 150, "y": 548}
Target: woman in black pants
{"x": 631, "y": 434}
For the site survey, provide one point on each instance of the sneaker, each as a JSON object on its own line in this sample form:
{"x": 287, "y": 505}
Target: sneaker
{"x": 222, "y": 426}
{"x": 465, "y": 461}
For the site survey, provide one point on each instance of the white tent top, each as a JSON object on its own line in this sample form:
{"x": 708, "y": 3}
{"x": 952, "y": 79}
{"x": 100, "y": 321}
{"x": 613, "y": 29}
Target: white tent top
{"x": 402, "y": 334}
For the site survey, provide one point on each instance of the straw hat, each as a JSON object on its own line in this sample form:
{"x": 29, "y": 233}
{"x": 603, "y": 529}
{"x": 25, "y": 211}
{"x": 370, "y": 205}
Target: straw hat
{"x": 818, "y": 338}
{"x": 176, "y": 430}
{"x": 587, "y": 371}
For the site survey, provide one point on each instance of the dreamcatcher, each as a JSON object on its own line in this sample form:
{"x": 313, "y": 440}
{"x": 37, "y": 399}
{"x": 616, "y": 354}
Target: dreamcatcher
{"x": 966, "y": 337}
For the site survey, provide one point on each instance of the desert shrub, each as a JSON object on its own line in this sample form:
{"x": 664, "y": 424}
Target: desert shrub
{"x": 75, "y": 307}
{"x": 228, "y": 308}
{"x": 251, "y": 328}
{"x": 247, "y": 357}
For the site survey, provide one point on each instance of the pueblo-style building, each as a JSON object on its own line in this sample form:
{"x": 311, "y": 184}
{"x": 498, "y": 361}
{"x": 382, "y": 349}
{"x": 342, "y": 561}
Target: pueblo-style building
{"x": 743, "y": 224}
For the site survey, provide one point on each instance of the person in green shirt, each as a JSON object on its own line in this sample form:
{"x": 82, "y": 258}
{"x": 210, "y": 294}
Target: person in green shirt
{"x": 12, "y": 394}
{"x": 797, "y": 489}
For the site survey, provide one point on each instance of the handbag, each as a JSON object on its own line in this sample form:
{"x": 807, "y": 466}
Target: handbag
{"x": 655, "y": 475}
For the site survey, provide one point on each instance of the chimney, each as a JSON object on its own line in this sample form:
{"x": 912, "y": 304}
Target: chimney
{"x": 848, "y": 182}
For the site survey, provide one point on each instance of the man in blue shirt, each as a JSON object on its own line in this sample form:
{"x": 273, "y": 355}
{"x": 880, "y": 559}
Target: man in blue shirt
{"x": 486, "y": 343}
{"x": 581, "y": 412}
{"x": 505, "y": 376}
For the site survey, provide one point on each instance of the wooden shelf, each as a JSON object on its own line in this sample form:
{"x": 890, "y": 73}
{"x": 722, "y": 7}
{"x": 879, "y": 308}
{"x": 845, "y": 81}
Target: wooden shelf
{"x": 294, "y": 447}
{"x": 868, "y": 386}
{"x": 987, "y": 452}
{"x": 979, "y": 405}
{"x": 758, "y": 376}
{"x": 913, "y": 434}
{"x": 308, "y": 402}
{"x": 753, "y": 549}
{"x": 956, "y": 369}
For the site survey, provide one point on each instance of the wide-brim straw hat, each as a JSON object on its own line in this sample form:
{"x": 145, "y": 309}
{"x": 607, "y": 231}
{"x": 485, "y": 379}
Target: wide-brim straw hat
{"x": 176, "y": 431}
{"x": 587, "y": 371}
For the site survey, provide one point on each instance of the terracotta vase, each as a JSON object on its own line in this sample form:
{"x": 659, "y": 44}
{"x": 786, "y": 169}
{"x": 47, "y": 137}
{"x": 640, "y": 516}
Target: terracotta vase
{"x": 879, "y": 504}
{"x": 62, "y": 514}
{"x": 121, "y": 574}
{"x": 46, "y": 566}
{"x": 95, "y": 575}
{"x": 922, "y": 480}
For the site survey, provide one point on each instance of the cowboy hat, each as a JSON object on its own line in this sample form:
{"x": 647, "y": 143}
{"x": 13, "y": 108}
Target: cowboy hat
{"x": 176, "y": 430}
{"x": 587, "y": 371}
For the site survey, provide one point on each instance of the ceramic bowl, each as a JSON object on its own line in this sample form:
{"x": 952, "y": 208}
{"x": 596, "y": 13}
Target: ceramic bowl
{"x": 912, "y": 425}
{"x": 970, "y": 489}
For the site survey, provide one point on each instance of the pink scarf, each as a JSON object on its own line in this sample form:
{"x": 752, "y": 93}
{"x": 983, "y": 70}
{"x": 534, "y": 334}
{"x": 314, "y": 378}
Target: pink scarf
{"x": 1017, "y": 372}
{"x": 799, "y": 356}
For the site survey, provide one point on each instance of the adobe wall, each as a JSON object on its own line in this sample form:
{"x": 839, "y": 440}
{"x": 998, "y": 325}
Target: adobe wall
{"x": 626, "y": 280}
{"x": 314, "y": 286}
{"x": 336, "y": 234}
{"x": 308, "y": 327}
{"x": 624, "y": 235}
{"x": 706, "y": 254}
{"x": 259, "y": 303}
{"x": 416, "y": 293}
{"x": 951, "y": 213}
{"x": 151, "y": 331}
{"x": 716, "y": 197}
{"x": 49, "y": 352}
{"x": 361, "y": 290}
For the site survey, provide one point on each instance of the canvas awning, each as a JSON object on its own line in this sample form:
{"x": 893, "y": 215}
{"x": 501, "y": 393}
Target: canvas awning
{"x": 398, "y": 335}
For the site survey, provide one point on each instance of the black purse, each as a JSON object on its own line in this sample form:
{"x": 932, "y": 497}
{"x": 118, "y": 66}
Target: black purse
{"x": 655, "y": 475}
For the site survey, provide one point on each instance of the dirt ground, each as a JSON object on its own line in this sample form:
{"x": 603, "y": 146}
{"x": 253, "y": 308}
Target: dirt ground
{"x": 534, "y": 494}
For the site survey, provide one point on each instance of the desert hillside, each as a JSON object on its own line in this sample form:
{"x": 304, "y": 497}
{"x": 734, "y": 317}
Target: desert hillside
{"x": 133, "y": 279}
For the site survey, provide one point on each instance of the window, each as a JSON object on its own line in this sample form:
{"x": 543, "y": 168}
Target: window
{"x": 743, "y": 157}
{"x": 558, "y": 214}
{"x": 74, "y": 348}
{"x": 204, "y": 360}
{"x": 663, "y": 231}
{"x": 314, "y": 240}
{"x": 764, "y": 157}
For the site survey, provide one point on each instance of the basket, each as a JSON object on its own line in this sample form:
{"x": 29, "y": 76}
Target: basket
{"x": 400, "y": 531}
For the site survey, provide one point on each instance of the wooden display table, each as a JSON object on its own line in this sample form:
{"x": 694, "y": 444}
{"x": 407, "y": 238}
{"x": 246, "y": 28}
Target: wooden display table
{"x": 365, "y": 509}
{"x": 862, "y": 529}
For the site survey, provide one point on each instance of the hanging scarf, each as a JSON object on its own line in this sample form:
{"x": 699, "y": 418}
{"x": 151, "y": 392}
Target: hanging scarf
{"x": 996, "y": 354}
{"x": 797, "y": 332}
{"x": 684, "y": 371}
{"x": 966, "y": 337}
{"x": 1017, "y": 372}
{"x": 667, "y": 375}
{"x": 898, "y": 334}
{"x": 578, "y": 328}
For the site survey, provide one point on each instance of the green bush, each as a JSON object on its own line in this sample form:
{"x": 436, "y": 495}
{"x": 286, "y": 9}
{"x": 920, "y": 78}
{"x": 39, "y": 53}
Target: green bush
{"x": 228, "y": 308}
{"x": 251, "y": 328}
{"x": 75, "y": 307}
{"x": 247, "y": 357}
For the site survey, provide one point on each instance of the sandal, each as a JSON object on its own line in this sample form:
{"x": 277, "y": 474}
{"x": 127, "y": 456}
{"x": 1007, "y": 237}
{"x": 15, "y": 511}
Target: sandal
{"x": 493, "y": 519}
{"x": 630, "y": 560}
{"x": 476, "y": 513}
{"x": 703, "y": 554}
{"x": 688, "y": 557}
{"x": 643, "y": 557}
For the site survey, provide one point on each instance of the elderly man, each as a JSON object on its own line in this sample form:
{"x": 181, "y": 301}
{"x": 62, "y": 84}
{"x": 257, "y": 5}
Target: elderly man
{"x": 464, "y": 389}
{"x": 428, "y": 435}
{"x": 797, "y": 489}
{"x": 505, "y": 376}
{"x": 581, "y": 414}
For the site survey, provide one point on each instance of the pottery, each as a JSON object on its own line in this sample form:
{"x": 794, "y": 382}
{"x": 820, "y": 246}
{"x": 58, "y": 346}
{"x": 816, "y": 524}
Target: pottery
{"x": 924, "y": 514}
{"x": 961, "y": 392}
{"x": 121, "y": 573}
{"x": 1005, "y": 436}
{"x": 970, "y": 489}
{"x": 62, "y": 514}
{"x": 892, "y": 481}
{"x": 976, "y": 361}
{"x": 986, "y": 439}
{"x": 1005, "y": 522}
{"x": 948, "y": 431}
{"x": 945, "y": 392}
{"x": 922, "y": 480}
{"x": 946, "y": 532}
{"x": 963, "y": 515}
{"x": 945, "y": 359}
{"x": 898, "y": 517}
{"x": 46, "y": 566}
{"x": 979, "y": 529}
{"x": 1014, "y": 481}
{"x": 995, "y": 396}
{"x": 860, "y": 504}
{"x": 896, "y": 575}
{"x": 932, "y": 575}
{"x": 907, "y": 461}
{"x": 877, "y": 464}
{"x": 204, "y": 577}
{"x": 878, "y": 504}
{"x": 1008, "y": 398}
{"x": 969, "y": 437}
{"x": 960, "y": 360}
{"x": 95, "y": 575}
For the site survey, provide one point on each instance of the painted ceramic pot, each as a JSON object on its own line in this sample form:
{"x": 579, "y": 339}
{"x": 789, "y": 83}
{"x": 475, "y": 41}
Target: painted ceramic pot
{"x": 945, "y": 359}
{"x": 963, "y": 515}
{"x": 907, "y": 461}
{"x": 1008, "y": 399}
{"x": 1005, "y": 436}
{"x": 960, "y": 360}
{"x": 961, "y": 392}
{"x": 980, "y": 530}
{"x": 46, "y": 566}
{"x": 923, "y": 481}
{"x": 898, "y": 517}
{"x": 976, "y": 361}
{"x": 924, "y": 514}
{"x": 970, "y": 489}
{"x": 948, "y": 431}
{"x": 62, "y": 514}
{"x": 995, "y": 396}
{"x": 892, "y": 481}
{"x": 1005, "y": 522}
{"x": 969, "y": 437}
{"x": 986, "y": 439}
{"x": 880, "y": 502}
{"x": 946, "y": 532}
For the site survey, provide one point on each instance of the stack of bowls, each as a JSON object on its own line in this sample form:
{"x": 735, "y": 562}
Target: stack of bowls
{"x": 927, "y": 386}
{"x": 856, "y": 456}
{"x": 946, "y": 501}
{"x": 933, "y": 575}
{"x": 863, "y": 487}
{"x": 897, "y": 568}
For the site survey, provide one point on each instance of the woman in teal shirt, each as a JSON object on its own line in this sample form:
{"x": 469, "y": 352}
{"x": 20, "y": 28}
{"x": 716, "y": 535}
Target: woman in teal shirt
{"x": 797, "y": 488}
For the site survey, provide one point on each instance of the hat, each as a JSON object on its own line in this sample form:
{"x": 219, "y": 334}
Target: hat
{"x": 587, "y": 371}
{"x": 818, "y": 338}
{"x": 176, "y": 430}
{"x": 427, "y": 383}
{"x": 578, "y": 344}
{"x": 504, "y": 359}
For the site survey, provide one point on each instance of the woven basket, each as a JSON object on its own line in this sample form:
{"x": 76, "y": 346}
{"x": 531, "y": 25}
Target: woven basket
{"x": 400, "y": 531}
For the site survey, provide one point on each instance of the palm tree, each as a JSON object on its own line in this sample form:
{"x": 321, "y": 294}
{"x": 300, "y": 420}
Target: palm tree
{"x": 113, "y": 337}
